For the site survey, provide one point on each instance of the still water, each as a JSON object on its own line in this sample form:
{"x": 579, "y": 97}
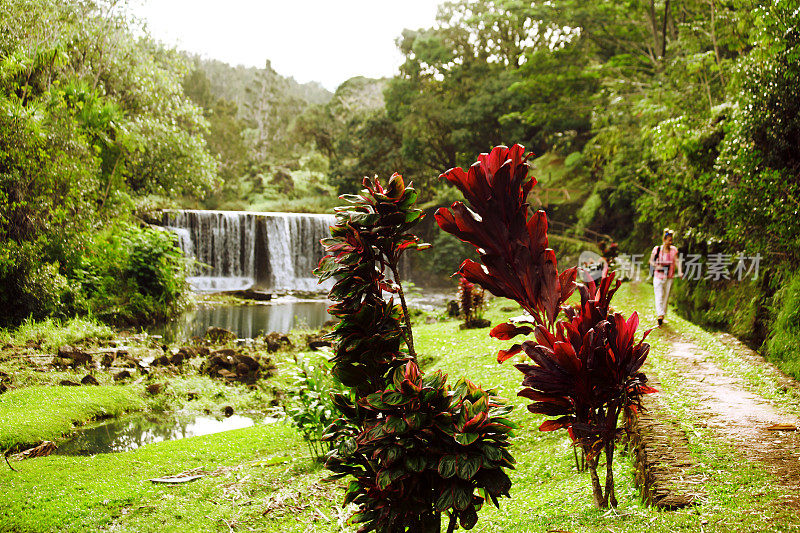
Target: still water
{"x": 246, "y": 321}
{"x": 129, "y": 433}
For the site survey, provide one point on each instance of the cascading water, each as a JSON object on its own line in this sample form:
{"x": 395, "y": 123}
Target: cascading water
{"x": 240, "y": 250}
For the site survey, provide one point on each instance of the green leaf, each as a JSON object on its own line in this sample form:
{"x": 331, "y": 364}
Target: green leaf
{"x": 462, "y": 496}
{"x": 415, "y": 463}
{"x": 414, "y": 420}
{"x": 395, "y": 424}
{"x": 388, "y": 476}
{"x": 469, "y": 467}
{"x": 466, "y": 438}
{"x": 445, "y": 500}
{"x": 393, "y": 398}
{"x": 448, "y": 465}
{"x": 492, "y": 453}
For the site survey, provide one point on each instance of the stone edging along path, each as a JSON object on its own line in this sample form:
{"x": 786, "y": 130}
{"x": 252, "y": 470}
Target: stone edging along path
{"x": 757, "y": 428}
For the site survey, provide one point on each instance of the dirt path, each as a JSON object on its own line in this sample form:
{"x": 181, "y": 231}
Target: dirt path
{"x": 741, "y": 417}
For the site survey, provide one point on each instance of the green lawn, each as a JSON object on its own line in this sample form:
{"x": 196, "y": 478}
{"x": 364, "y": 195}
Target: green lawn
{"x": 31, "y": 415}
{"x": 262, "y": 480}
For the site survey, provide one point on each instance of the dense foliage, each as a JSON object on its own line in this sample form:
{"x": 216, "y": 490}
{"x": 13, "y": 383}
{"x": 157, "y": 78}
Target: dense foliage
{"x": 651, "y": 114}
{"x": 91, "y": 121}
{"x": 415, "y": 446}
{"x": 586, "y": 368}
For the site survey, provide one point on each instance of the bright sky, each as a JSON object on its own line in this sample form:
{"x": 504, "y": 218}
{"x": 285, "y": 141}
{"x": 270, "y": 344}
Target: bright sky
{"x": 328, "y": 41}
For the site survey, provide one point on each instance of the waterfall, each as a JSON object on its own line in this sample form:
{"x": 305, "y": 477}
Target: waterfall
{"x": 238, "y": 250}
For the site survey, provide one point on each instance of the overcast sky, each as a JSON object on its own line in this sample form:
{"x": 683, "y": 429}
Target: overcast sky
{"x": 328, "y": 41}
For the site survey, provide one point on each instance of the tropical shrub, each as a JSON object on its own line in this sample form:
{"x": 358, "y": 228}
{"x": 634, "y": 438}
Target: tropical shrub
{"x": 471, "y": 301}
{"x": 414, "y": 446}
{"x": 309, "y": 403}
{"x": 133, "y": 275}
{"x": 585, "y": 368}
{"x": 609, "y": 251}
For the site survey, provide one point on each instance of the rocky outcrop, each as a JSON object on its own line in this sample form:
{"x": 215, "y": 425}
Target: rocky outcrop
{"x": 232, "y": 366}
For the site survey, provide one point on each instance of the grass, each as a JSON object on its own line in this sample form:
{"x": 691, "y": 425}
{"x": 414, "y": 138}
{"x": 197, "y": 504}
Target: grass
{"x": 756, "y": 378}
{"x": 51, "y": 333}
{"x": 88, "y": 493}
{"x": 31, "y": 415}
{"x": 262, "y": 481}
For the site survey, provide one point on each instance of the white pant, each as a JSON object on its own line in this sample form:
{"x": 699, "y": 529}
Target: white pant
{"x": 661, "y": 288}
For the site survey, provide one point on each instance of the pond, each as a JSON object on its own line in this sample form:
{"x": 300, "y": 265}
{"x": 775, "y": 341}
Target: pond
{"x": 282, "y": 315}
{"x": 129, "y": 433}
{"x": 246, "y": 321}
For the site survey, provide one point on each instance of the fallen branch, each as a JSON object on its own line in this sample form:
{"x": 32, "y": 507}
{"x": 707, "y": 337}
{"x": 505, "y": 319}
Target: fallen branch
{"x": 6, "y": 454}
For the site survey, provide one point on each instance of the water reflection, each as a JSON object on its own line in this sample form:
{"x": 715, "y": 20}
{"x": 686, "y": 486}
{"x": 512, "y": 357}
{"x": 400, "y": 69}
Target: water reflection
{"x": 246, "y": 321}
{"x": 121, "y": 435}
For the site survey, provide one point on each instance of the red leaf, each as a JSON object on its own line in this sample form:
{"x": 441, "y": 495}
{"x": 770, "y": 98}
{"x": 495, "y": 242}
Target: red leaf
{"x": 552, "y": 425}
{"x": 505, "y": 355}
{"x": 507, "y": 331}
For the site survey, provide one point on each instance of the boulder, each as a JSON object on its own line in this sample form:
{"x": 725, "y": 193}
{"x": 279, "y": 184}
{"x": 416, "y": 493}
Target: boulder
{"x": 215, "y": 334}
{"x": 89, "y": 379}
{"x": 161, "y": 360}
{"x": 178, "y": 358}
{"x": 70, "y": 356}
{"x": 68, "y": 383}
{"x": 154, "y": 388}
{"x": 108, "y": 359}
{"x": 275, "y": 341}
{"x": 453, "y": 310}
{"x": 227, "y": 410}
{"x": 232, "y": 366}
{"x": 315, "y": 343}
{"x": 188, "y": 352}
{"x": 122, "y": 375}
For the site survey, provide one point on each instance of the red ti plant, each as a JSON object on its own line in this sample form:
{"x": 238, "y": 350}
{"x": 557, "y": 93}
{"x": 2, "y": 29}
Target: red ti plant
{"x": 585, "y": 369}
{"x": 471, "y": 301}
{"x": 465, "y": 298}
{"x": 414, "y": 447}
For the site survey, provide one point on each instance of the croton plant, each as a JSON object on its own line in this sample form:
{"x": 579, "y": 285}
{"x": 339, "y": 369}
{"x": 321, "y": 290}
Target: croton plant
{"x": 585, "y": 368}
{"x": 414, "y": 447}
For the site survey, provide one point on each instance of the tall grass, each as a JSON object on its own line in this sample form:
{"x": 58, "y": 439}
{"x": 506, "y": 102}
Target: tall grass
{"x": 53, "y": 332}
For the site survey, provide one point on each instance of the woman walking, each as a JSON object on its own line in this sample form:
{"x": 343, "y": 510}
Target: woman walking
{"x": 664, "y": 262}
